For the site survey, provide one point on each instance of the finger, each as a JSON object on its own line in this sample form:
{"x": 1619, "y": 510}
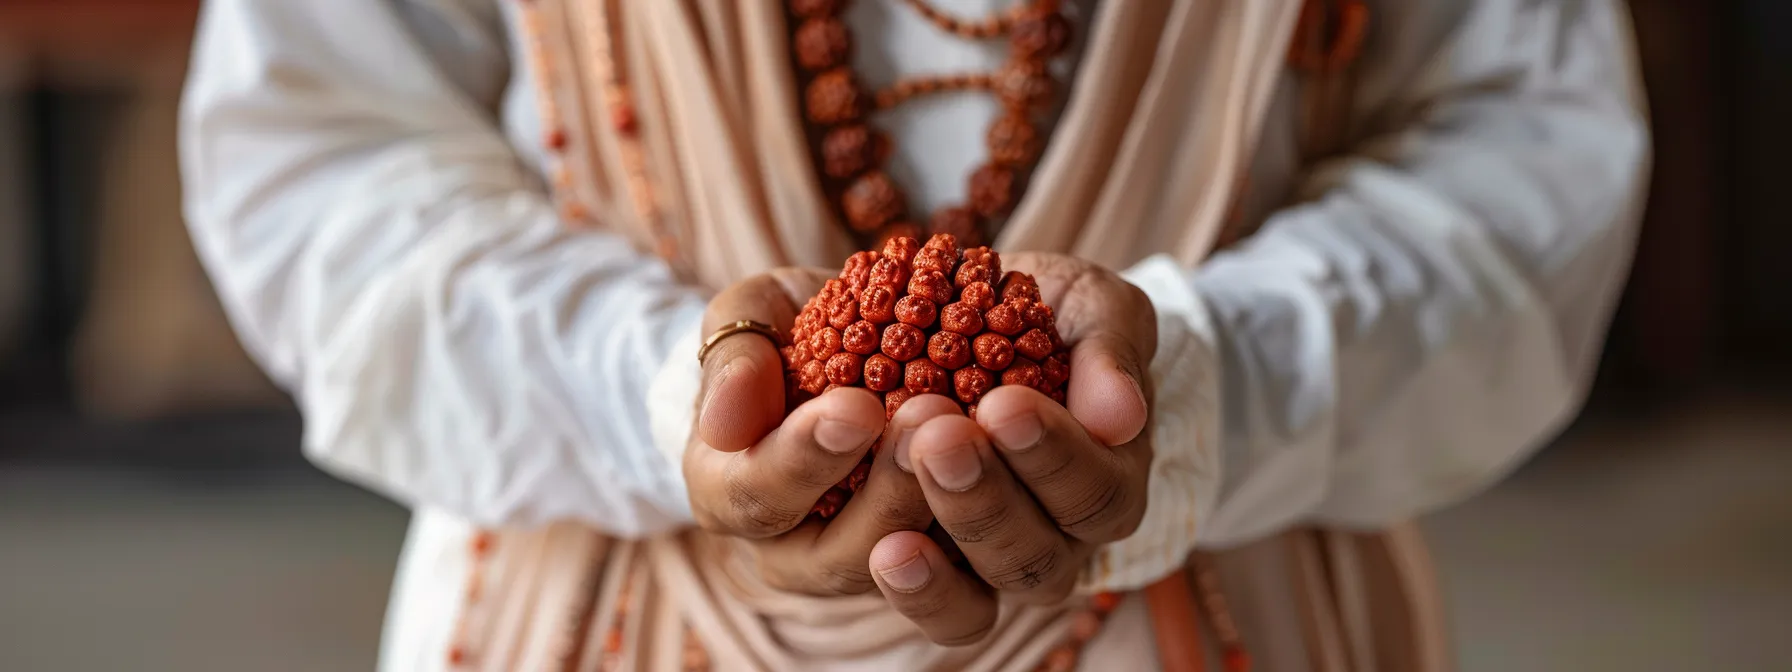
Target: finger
{"x": 769, "y": 488}
{"x": 951, "y": 607}
{"x": 1093, "y": 493}
{"x": 1011, "y": 543}
{"x": 1112, "y": 330}
{"x": 743, "y": 376}
{"x": 832, "y": 559}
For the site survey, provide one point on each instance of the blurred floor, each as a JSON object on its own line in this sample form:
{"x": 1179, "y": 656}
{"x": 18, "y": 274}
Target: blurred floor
{"x": 1637, "y": 545}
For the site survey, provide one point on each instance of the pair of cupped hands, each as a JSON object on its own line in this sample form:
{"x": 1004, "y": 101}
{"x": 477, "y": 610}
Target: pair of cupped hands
{"x": 1028, "y": 490}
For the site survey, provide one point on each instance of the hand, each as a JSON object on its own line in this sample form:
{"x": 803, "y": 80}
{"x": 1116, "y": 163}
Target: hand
{"x": 1030, "y": 488}
{"x": 754, "y": 474}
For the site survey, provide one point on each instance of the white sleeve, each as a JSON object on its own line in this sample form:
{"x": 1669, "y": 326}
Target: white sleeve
{"x": 1436, "y": 312}
{"x": 387, "y": 258}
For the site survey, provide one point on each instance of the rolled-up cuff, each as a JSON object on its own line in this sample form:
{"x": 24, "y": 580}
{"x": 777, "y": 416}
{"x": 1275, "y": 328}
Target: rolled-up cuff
{"x": 1185, "y": 432}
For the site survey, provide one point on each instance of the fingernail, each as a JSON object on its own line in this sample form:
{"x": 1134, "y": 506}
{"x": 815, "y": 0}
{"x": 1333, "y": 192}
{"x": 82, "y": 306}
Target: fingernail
{"x": 730, "y": 369}
{"x": 841, "y": 438}
{"x": 1019, "y": 433}
{"x": 955, "y": 469}
{"x": 909, "y": 576}
{"x": 902, "y": 441}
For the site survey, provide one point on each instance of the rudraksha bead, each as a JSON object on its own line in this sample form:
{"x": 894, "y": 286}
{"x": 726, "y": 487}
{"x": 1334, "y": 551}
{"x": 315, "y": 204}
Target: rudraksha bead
{"x": 1018, "y": 285}
{"x": 949, "y": 350}
{"x": 814, "y": 376}
{"x": 844, "y": 368}
{"x": 922, "y": 376}
{"x": 961, "y": 317}
{"x": 878, "y": 305}
{"x": 916, "y": 311}
{"x": 1025, "y": 373}
{"x": 890, "y": 273}
{"x": 946, "y": 243}
{"x": 1034, "y": 345}
{"x": 936, "y": 261}
{"x": 903, "y": 342}
{"x": 860, "y": 338}
{"x": 1003, "y": 319}
{"x": 824, "y": 343}
{"x": 843, "y": 311}
{"x": 993, "y": 351}
{"x": 1014, "y": 141}
{"x": 980, "y": 265}
{"x": 833, "y": 97}
{"x": 978, "y": 295}
{"x": 902, "y": 250}
{"x": 972, "y": 382}
{"x": 882, "y": 373}
{"x": 992, "y": 190}
{"x": 857, "y": 271}
{"x": 872, "y": 201}
{"x": 821, "y": 43}
{"x": 847, "y": 151}
{"x": 1039, "y": 34}
{"x": 1025, "y": 85}
{"x": 931, "y": 285}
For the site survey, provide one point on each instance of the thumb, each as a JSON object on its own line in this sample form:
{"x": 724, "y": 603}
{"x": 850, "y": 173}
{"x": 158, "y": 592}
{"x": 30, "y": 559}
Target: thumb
{"x": 743, "y": 375}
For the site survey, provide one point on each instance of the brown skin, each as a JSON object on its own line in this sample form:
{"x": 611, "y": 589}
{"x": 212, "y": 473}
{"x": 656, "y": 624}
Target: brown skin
{"x": 1051, "y": 483}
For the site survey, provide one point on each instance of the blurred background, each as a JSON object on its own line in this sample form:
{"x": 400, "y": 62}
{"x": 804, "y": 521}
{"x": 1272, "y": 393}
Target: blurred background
{"x": 155, "y": 512}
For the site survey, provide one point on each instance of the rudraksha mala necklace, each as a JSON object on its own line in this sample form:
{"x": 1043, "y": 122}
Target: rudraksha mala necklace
{"x": 836, "y": 103}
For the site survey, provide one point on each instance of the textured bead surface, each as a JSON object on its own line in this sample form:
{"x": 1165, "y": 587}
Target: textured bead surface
{"x": 949, "y": 350}
{"x": 970, "y": 383}
{"x": 1025, "y": 85}
{"x": 977, "y": 295}
{"x": 833, "y": 97}
{"x": 992, "y": 351}
{"x": 845, "y": 368}
{"x": 961, "y": 317}
{"x": 922, "y": 376}
{"x": 847, "y": 151}
{"x": 1014, "y": 141}
{"x": 903, "y": 342}
{"x": 929, "y": 284}
{"x": 882, "y": 373}
{"x": 916, "y": 311}
{"x": 822, "y": 43}
{"x": 861, "y": 338}
{"x": 878, "y": 305}
{"x": 872, "y": 201}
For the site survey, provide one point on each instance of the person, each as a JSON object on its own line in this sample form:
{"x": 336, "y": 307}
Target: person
{"x": 1323, "y": 267}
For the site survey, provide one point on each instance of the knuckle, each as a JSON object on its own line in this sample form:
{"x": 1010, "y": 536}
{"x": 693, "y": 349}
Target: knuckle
{"x": 980, "y": 526}
{"x": 1100, "y": 512}
{"x": 1028, "y": 572}
{"x": 838, "y": 579}
{"x": 751, "y": 513}
{"x": 899, "y": 515}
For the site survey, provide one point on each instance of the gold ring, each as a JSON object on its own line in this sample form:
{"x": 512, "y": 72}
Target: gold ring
{"x": 761, "y": 328}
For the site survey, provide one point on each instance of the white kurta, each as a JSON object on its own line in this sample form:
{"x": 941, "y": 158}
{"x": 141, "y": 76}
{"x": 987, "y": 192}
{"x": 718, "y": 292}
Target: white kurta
{"x": 362, "y": 185}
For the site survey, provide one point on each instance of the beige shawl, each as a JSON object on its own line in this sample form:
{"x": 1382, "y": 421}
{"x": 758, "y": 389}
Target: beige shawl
{"x": 1155, "y": 140}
